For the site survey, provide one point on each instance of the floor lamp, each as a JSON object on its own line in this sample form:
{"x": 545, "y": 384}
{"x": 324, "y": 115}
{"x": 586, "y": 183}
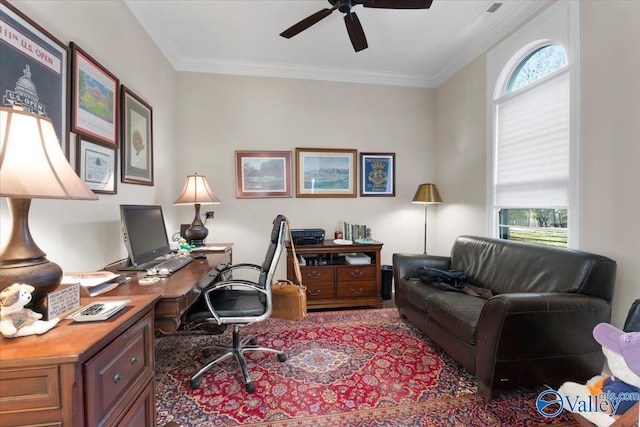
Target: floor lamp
{"x": 197, "y": 192}
{"x": 32, "y": 166}
{"x": 427, "y": 194}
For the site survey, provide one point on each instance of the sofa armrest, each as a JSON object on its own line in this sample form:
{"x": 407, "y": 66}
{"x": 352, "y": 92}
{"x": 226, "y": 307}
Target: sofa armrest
{"x": 405, "y": 265}
{"x": 526, "y": 326}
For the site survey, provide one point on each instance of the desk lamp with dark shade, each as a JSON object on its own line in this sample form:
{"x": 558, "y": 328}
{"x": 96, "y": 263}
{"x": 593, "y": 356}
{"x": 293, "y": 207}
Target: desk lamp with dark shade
{"x": 197, "y": 192}
{"x": 426, "y": 194}
{"x": 32, "y": 166}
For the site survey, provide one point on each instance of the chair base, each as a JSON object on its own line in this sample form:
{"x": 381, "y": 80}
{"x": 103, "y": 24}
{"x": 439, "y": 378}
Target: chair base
{"x": 237, "y": 349}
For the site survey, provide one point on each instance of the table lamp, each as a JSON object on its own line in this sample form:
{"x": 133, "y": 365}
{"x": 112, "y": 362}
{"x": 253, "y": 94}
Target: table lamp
{"x": 426, "y": 194}
{"x": 197, "y": 192}
{"x": 32, "y": 166}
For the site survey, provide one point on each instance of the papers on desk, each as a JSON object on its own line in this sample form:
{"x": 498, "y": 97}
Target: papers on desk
{"x": 94, "y": 283}
{"x": 209, "y": 248}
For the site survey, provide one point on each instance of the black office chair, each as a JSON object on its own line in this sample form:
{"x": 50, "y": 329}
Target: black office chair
{"x": 237, "y": 302}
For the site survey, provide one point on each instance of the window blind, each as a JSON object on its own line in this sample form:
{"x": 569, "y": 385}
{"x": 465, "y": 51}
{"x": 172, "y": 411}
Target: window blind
{"x": 532, "y": 163}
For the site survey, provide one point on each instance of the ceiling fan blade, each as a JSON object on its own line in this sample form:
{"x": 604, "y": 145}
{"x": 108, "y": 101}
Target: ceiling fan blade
{"x": 356, "y": 33}
{"x": 398, "y": 4}
{"x": 306, "y": 23}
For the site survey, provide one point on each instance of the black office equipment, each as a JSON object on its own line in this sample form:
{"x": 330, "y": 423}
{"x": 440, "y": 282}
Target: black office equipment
{"x": 307, "y": 236}
{"x": 144, "y": 234}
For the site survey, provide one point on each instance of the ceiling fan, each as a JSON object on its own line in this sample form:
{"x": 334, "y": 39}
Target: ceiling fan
{"x": 354, "y": 28}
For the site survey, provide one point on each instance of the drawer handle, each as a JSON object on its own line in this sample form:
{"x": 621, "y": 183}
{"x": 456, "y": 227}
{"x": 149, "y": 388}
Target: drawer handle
{"x": 314, "y": 275}
{"x": 357, "y": 274}
{"x": 314, "y": 293}
{"x": 117, "y": 378}
{"x": 134, "y": 360}
{"x": 359, "y": 291}
{"x": 125, "y": 336}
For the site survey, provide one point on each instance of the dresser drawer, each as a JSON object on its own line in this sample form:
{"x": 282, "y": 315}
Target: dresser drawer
{"x": 357, "y": 289}
{"x": 119, "y": 370}
{"x": 317, "y": 291}
{"x": 360, "y": 272}
{"x": 312, "y": 276}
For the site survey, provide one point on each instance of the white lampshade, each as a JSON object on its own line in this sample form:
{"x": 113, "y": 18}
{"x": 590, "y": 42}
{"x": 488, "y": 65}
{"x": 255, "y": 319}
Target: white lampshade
{"x": 32, "y": 164}
{"x": 196, "y": 190}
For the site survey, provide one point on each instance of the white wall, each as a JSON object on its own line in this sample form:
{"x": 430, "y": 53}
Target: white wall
{"x": 85, "y": 235}
{"x": 219, "y": 114}
{"x": 610, "y": 146}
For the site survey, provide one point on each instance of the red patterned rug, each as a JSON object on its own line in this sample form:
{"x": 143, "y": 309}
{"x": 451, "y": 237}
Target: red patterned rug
{"x": 356, "y": 368}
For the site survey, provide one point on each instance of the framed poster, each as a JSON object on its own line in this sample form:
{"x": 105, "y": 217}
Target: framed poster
{"x": 97, "y": 165}
{"x": 94, "y": 98}
{"x": 34, "y": 70}
{"x": 137, "y": 139}
{"x": 377, "y": 174}
{"x": 324, "y": 172}
{"x": 263, "y": 174}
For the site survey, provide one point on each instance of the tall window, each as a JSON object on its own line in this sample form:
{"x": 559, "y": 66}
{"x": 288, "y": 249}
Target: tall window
{"x": 532, "y": 149}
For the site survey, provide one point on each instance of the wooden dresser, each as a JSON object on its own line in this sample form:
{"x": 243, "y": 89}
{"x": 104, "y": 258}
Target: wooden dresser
{"x": 332, "y": 282}
{"x": 83, "y": 374}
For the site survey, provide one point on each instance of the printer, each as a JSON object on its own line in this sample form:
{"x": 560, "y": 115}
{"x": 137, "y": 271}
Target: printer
{"x": 307, "y": 236}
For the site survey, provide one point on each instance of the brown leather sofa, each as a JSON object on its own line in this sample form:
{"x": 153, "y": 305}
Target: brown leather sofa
{"x": 536, "y": 329}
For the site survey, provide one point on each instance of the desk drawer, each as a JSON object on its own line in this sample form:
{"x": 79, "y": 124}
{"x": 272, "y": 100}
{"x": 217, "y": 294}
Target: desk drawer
{"x": 356, "y": 273}
{"x": 119, "y": 370}
{"x": 29, "y": 389}
{"x": 318, "y": 275}
{"x": 316, "y": 291}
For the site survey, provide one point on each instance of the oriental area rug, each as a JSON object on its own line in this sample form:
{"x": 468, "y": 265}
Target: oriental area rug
{"x": 356, "y": 368}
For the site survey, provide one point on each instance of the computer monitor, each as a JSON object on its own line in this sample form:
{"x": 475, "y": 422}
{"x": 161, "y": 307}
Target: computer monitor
{"x": 144, "y": 233}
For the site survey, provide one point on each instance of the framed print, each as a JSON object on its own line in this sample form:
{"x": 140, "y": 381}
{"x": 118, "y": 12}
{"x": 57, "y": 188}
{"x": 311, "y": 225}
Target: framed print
{"x": 137, "y": 139}
{"x": 94, "y": 98}
{"x": 263, "y": 174}
{"x": 377, "y": 174}
{"x": 34, "y": 70}
{"x": 324, "y": 172}
{"x": 97, "y": 166}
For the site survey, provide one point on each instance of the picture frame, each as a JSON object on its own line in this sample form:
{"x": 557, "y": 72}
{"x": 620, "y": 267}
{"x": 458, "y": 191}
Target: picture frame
{"x": 94, "y": 98}
{"x": 30, "y": 54}
{"x": 326, "y": 172}
{"x": 136, "y": 139}
{"x": 377, "y": 174}
{"x": 263, "y": 174}
{"x": 97, "y": 166}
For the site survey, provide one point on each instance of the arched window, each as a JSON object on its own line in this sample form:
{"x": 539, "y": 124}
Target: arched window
{"x": 532, "y": 149}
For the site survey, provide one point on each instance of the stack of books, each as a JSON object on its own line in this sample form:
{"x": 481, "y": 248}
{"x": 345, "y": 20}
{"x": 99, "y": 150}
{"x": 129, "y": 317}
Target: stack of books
{"x": 353, "y": 231}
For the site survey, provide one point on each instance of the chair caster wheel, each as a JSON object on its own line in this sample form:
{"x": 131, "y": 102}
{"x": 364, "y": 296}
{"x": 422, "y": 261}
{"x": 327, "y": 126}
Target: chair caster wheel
{"x": 195, "y": 384}
{"x": 250, "y": 387}
{"x": 282, "y": 357}
{"x": 253, "y": 341}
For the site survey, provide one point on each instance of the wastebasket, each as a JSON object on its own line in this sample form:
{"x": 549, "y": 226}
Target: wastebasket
{"x": 387, "y": 280}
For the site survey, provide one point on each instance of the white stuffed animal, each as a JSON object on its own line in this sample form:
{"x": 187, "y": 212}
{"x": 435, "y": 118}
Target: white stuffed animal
{"x": 17, "y": 321}
{"x": 606, "y": 398}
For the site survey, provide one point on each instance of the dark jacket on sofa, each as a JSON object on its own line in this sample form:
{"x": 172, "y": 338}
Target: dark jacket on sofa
{"x": 536, "y": 329}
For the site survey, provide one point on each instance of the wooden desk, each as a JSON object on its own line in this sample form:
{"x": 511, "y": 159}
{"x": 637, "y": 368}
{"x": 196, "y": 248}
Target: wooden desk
{"x": 83, "y": 374}
{"x": 176, "y": 292}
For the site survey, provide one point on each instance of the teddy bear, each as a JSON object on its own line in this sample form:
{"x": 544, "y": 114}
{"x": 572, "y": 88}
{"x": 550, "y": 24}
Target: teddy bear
{"x": 17, "y": 321}
{"x": 604, "y": 399}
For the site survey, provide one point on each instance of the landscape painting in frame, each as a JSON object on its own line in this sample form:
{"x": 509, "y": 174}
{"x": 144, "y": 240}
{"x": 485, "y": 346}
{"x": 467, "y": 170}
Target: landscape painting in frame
{"x": 325, "y": 172}
{"x": 261, "y": 174}
{"x": 34, "y": 70}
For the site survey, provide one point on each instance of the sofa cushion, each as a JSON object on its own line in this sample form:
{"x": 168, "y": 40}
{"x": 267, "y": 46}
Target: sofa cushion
{"x": 418, "y": 293}
{"x": 458, "y": 312}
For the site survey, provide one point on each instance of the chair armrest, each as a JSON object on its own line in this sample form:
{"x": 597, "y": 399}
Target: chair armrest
{"x": 240, "y": 266}
{"x": 405, "y": 265}
{"x": 522, "y": 326}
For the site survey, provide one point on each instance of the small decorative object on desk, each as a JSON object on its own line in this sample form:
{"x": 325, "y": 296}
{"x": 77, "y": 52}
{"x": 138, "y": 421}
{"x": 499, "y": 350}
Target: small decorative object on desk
{"x": 17, "y": 321}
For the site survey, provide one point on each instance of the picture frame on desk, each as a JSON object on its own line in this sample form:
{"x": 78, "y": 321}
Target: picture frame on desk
{"x": 94, "y": 99}
{"x": 97, "y": 166}
{"x": 377, "y": 174}
{"x": 326, "y": 172}
{"x": 137, "y": 139}
{"x": 41, "y": 79}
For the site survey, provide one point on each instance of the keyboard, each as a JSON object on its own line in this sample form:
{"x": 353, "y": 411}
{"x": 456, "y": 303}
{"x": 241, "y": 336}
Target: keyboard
{"x": 174, "y": 264}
